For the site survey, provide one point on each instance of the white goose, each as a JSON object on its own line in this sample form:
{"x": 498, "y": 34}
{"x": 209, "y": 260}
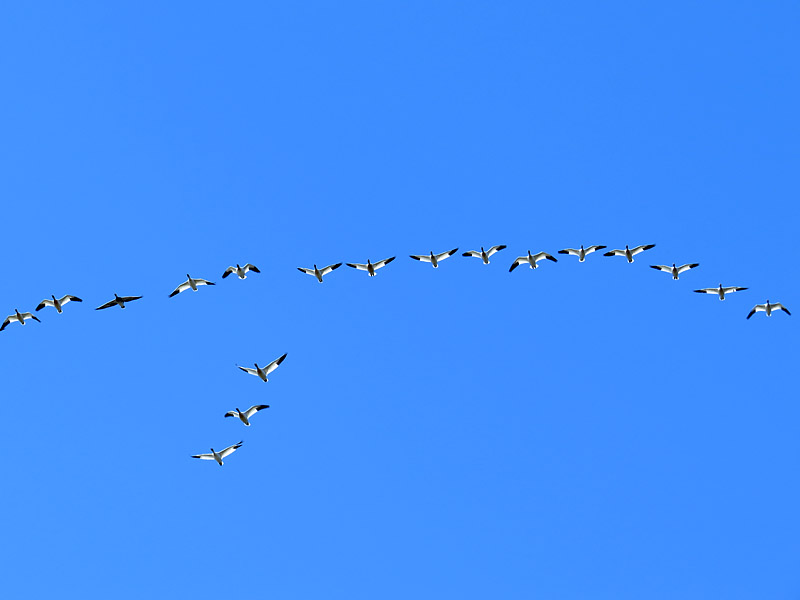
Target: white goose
{"x": 241, "y": 272}
{"x": 320, "y": 273}
{"x": 768, "y": 308}
{"x": 532, "y": 259}
{"x": 581, "y": 252}
{"x": 720, "y": 291}
{"x": 19, "y": 318}
{"x": 189, "y": 283}
{"x": 244, "y": 417}
{"x": 370, "y": 268}
{"x": 629, "y": 253}
{"x": 218, "y": 456}
{"x": 262, "y": 372}
{"x": 673, "y": 270}
{"x": 434, "y": 258}
{"x": 58, "y": 303}
{"x": 118, "y": 301}
{"x": 485, "y": 254}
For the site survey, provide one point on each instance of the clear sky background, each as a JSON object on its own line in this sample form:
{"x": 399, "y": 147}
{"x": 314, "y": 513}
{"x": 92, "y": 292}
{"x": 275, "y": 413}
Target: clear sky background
{"x": 586, "y": 430}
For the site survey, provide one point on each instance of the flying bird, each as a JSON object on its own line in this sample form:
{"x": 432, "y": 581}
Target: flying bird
{"x": 673, "y": 270}
{"x": 581, "y": 252}
{"x": 320, "y": 273}
{"x": 241, "y": 272}
{"x": 58, "y": 303}
{"x": 262, "y": 372}
{"x": 118, "y": 301}
{"x": 245, "y": 416}
{"x": 19, "y": 318}
{"x": 629, "y": 253}
{"x": 720, "y": 291}
{"x": 371, "y": 267}
{"x": 189, "y": 283}
{"x": 531, "y": 259}
{"x": 218, "y": 456}
{"x": 483, "y": 254}
{"x": 768, "y": 308}
{"x": 434, "y": 258}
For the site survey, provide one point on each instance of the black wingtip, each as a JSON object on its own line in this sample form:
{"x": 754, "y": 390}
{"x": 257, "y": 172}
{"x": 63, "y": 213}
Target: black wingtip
{"x": 563, "y": 252}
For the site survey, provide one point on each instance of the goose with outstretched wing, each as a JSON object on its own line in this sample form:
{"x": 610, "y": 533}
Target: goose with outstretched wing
{"x": 432, "y": 258}
{"x": 218, "y": 456}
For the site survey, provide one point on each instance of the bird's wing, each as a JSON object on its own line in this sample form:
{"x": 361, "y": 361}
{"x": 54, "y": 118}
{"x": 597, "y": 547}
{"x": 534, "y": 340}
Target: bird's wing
{"x": 44, "y": 303}
{"x": 712, "y": 290}
{"x": 472, "y": 253}
{"x": 572, "y": 251}
{"x": 358, "y": 266}
{"x": 251, "y": 371}
{"x": 383, "y": 263}
{"x": 778, "y": 305}
{"x": 181, "y": 288}
{"x": 254, "y": 409}
{"x": 728, "y": 290}
{"x": 642, "y": 248}
{"x": 684, "y": 268}
{"x": 518, "y": 262}
{"x": 230, "y": 450}
{"x": 129, "y": 298}
{"x": 591, "y": 249}
{"x": 274, "y": 364}
{"x": 447, "y": 254}
{"x": 8, "y": 320}
{"x": 307, "y": 271}
{"x": 204, "y": 282}
{"x": 757, "y": 308}
{"x": 204, "y": 456}
{"x": 251, "y": 267}
{"x": 614, "y": 253}
{"x": 107, "y": 305}
{"x": 231, "y": 413}
{"x": 228, "y": 271}
{"x": 69, "y": 298}
{"x": 28, "y": 315}
{"x": 495, "y": 249}
{"x": 421, "y": 257}
{"x": 543, "y": 255}
{"x": 329, "y": 268}
{"x": 664, "y": 268}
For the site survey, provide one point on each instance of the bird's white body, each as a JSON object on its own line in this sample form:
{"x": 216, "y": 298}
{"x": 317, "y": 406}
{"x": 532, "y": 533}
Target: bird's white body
{"x": 768, "y": 308}
{"x": 531, "y": 260}
{"x": 581, "y": 252}
{"x": 629, "y": 253}
{"x": 673, "y": 270}
{"x": 18, "y": 317}
{"x": 241, "y": 272}
{"x": 434, "y": 258}
{"x": 262, "y": 372}
{"x": 244, "y": 416}
{"x": 58, "y": 303}
{"x": 218, "y": 456}
{"x": 319, "y": 273}
{"x": 371, "y": 267}
{"x": 190, "y": 284}
{"x": 720, "y": 291}
{"x": 484, "y": 255}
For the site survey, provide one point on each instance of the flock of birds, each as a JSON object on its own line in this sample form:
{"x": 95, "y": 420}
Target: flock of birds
{"x": 371, "y": 268}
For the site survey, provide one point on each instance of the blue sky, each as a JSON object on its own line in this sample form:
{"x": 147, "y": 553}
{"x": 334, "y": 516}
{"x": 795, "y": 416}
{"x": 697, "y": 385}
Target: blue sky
{"x": 585, "y": 430}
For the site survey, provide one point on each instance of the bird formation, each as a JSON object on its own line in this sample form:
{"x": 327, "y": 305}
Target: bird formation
{"x": 371, "y": 268}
